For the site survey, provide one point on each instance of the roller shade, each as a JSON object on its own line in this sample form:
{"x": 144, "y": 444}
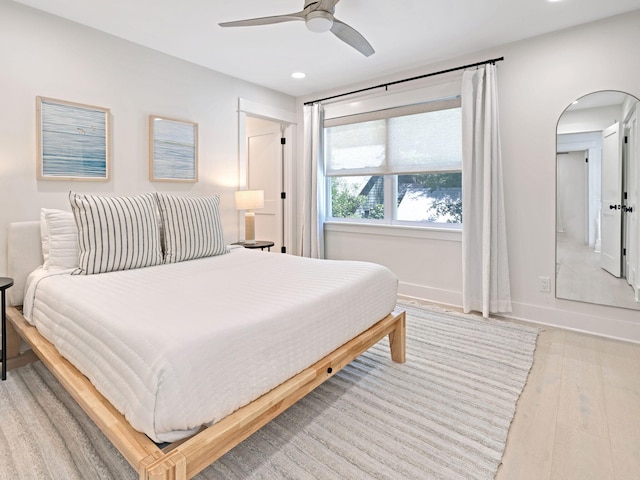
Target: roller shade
{"x": 423, "y": 137}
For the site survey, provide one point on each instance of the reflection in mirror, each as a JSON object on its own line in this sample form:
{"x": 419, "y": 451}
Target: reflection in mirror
{"x": 597, "y": 189}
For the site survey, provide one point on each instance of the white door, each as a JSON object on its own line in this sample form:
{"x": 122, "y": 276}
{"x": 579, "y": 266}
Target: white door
{"x": 611, "y": 257}
{"x": 572, "y": 198}
{"x": 264, "y": 154}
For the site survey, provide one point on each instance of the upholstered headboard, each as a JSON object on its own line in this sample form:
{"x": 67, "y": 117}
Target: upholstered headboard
{"x": 24, "y": 256}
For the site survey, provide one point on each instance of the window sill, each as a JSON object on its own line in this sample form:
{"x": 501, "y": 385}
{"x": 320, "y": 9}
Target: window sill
{"x": 445, "y": 234}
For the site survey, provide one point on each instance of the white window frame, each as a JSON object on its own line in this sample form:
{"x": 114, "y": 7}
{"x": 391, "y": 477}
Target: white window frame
{"x": 391, "y": 185}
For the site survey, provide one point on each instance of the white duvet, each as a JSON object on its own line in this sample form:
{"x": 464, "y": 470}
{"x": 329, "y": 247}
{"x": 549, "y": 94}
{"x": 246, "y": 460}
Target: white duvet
{"x": 177, "y": 346}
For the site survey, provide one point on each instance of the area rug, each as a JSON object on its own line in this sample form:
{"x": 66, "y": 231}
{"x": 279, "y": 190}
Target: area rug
{"x": 444, "y": 414}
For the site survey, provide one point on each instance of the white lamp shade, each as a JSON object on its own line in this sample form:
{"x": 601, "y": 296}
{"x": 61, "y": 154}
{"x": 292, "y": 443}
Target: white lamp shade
{"x": 249, "y": 199}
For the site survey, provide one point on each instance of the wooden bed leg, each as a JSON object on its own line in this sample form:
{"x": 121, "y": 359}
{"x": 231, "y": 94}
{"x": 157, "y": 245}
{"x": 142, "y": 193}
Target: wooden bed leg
{"x": 13, "y": 341}
{"x": 398, "y": 340}
{"x": 172, "y": 466}
{"x": 15, "y": 359}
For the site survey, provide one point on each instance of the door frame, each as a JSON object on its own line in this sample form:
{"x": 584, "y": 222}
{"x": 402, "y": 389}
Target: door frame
{"x": 287, "y": 120}
{"x": 631, "y": 175}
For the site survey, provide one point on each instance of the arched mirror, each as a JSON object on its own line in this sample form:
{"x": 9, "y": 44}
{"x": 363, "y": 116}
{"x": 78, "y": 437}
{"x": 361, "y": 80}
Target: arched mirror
{"x": 597, "y": 200}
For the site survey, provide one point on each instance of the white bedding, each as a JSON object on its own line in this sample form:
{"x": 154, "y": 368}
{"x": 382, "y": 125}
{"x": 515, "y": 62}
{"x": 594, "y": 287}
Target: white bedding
{"x": 177, "y": 346}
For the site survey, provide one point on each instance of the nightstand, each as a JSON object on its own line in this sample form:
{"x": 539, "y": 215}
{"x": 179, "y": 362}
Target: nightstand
{"x": 4, "y": 284}
{"x": 259, "y": 244}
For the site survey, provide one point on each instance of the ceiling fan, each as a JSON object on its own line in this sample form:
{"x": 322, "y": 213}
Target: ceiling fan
{"x": 318, "y": 17}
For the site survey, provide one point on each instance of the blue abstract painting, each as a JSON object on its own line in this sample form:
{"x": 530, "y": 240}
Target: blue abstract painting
{"x": 73, "y": 141}
{"x": 175, "y": 150}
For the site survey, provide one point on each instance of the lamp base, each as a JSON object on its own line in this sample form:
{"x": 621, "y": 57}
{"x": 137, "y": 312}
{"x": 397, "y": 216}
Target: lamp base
{"x": 250, "y": 228}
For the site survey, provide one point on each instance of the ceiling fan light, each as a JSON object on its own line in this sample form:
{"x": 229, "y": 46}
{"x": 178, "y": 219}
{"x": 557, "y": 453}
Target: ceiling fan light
{"x": 319, "y": 21}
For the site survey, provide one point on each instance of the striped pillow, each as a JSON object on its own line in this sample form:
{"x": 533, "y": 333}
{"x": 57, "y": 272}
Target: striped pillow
{"x": 116, "y": 233}
{"x": 191, "y": 227}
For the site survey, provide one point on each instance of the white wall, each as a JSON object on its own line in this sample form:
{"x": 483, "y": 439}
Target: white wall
{"x": 537, "y": 80}
{"x": 43, "y": 55}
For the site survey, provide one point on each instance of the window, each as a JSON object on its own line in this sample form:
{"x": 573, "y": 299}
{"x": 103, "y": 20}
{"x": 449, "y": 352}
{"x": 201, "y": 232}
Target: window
{"x": 396, "y": 166}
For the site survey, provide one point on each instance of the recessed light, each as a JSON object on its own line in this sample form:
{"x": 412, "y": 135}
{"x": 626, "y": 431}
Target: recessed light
{"x": 298, "y": 75}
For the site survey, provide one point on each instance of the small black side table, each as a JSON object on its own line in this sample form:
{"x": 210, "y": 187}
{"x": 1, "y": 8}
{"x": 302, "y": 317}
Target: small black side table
{"x": 259, "y": 244}
{"x": 4, "y": 284}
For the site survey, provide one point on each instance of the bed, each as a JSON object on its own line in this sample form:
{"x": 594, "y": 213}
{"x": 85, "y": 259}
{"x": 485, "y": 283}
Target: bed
{"x": 270, "y": 329}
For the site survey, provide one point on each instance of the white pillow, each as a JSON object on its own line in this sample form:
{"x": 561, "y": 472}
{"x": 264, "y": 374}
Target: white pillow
{"x": 191, "y": 227}
{"x": 59, "y": 239}
{"x": 116, "y": 233}
{"x": 44, "y": 237}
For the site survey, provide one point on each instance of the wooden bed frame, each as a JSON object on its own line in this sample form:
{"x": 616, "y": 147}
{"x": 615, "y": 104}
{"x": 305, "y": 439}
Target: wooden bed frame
{"x": 186, "y": 458}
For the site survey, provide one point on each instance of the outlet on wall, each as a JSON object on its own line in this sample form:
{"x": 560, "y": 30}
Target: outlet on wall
{"x": 544, "y": 284}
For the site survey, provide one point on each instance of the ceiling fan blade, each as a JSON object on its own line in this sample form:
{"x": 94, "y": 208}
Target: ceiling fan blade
{"x": 352, "y": 37}
{"x": 265, "y": 20}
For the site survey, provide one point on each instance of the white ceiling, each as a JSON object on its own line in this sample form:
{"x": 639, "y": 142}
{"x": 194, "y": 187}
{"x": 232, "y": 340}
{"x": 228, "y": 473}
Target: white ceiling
{"x": 405, "y": 33}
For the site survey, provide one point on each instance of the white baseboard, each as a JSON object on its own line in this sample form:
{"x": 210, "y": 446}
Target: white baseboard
{"x": 605, "y": 325}
{"x": 433, "y": 295}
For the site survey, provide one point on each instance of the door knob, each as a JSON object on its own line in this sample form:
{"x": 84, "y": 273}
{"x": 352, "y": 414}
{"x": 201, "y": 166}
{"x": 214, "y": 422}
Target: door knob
{"x": 627, "y": 209}
{"x": 614, "y": 207}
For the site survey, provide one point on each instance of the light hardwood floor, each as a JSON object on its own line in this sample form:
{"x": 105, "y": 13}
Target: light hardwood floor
{"x": 579, "y": 414}
{"x": 580, "y": 277}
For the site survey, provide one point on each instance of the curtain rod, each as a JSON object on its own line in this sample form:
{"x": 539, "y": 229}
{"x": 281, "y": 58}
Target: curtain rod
{"x": 385, "y": 85}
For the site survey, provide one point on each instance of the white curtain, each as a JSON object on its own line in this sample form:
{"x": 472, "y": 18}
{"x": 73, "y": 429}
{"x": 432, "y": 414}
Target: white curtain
{"x": 312, "y": 241}
{"x": 485, "y": 276}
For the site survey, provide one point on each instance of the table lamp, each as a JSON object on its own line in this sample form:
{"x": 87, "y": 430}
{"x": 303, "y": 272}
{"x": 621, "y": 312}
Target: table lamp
{"x": 249, "y": 200}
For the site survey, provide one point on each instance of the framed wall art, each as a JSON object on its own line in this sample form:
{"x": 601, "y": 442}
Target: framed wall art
{"x": 73, "y": 141}
{"x": 173, "y": 147}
